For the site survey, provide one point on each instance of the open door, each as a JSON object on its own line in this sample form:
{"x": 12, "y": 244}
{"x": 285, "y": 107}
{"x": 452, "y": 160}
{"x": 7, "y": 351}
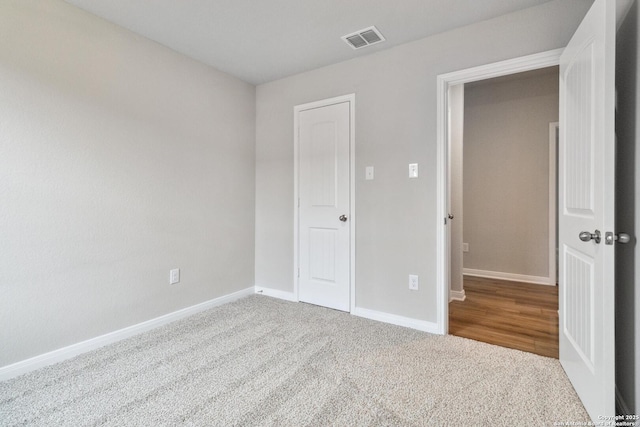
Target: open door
{"x": 455, "y": 196}
{"x": 586, "y": 210}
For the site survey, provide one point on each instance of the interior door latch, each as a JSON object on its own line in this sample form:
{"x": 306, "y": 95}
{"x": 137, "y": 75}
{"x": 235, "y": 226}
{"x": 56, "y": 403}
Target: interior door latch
{"x": 450, "y": 216}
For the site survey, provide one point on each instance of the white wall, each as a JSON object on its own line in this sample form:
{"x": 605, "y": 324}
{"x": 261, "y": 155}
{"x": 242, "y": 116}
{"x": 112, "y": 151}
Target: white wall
{"x": 628, "y": 213}
{"x": 119, "y": 159}
{"x": 395, "y": 125}
{"x": 506, "y": 172}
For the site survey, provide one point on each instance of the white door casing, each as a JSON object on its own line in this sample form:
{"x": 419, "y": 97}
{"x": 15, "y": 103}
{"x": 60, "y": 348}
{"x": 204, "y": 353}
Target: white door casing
{"x": 444, "y": 82}
{"x": 324, "y": 212}
{"x": 586, "y": 204}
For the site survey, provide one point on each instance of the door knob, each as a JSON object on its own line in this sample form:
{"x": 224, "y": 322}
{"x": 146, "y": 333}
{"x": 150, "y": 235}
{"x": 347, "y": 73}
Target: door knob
{"x": 450, "y": 216}
{"x": 609, "y": 238}
{"x": 343, "y": 218}
{"x": 585, "y": 236}
{"x": 623, "y": 238}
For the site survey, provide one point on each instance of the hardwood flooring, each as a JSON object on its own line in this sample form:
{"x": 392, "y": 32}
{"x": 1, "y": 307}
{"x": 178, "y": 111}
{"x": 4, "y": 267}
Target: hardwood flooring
{"x": 510, "y": 314}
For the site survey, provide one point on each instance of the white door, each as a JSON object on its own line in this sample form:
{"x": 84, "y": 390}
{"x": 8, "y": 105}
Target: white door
{"x": 587, "y": 148}
{"x": 455, "y": 196}
{"x": 324, "y": 135}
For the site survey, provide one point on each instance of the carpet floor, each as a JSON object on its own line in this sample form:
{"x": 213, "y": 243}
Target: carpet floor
{"x": 265, "y": 362}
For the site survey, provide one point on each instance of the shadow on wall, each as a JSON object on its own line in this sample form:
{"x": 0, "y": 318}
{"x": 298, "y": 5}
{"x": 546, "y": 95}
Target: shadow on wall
{"x": 626, "y": 279}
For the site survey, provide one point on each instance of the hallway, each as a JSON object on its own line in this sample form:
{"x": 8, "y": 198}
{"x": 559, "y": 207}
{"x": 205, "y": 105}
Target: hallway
{"x": 522, "y": 316}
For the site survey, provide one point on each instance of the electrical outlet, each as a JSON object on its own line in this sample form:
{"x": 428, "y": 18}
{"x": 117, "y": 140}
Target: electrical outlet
{"x": 368, "y": 174}
{"x": 413, "y": 282}
{"x": 174, "y": 276}
{"x": 465, "y": 247}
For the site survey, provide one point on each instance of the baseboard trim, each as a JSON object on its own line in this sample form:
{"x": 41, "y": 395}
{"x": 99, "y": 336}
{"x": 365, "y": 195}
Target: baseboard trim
{"x": 275, "y": 293}
{"x": 407, "y": 322}
{"x": 537, "y": 280}
{"x": 379, "y": 316}
{"x": 62, "y": 354}
{"x": 457, "y": 295}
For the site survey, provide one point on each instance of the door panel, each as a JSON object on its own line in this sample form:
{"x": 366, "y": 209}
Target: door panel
{"x": 324, "y": 239}
{"x": 322, "y": 254}
{"x": 323, "y": 157}
{"x": 586, "y": 204}
{"x": 578, "y": 307}
{"x": 579, "y": 137}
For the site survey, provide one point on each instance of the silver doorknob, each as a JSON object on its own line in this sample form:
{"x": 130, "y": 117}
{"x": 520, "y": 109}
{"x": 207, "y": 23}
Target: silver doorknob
{"x": 609, "y": 238}
{"x": 450, "y": 216}
{"x": 585, "y": 236}
{"x": 623, "y": 238}
{"x": 343, "y": 218}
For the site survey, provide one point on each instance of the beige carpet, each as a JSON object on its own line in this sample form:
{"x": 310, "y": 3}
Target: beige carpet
{"x": 265, "y": 362}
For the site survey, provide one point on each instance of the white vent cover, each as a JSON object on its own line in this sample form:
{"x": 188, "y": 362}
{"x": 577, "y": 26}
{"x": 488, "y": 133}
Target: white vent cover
{"x": 363, "y": 38}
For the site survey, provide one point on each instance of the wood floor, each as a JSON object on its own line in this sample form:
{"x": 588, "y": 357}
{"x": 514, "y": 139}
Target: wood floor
{"x": 510, "y": 314}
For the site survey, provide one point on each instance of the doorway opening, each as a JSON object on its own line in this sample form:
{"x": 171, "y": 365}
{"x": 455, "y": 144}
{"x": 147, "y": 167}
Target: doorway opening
{"x": 445, "y": 83}
{"x": 502, "y": 210}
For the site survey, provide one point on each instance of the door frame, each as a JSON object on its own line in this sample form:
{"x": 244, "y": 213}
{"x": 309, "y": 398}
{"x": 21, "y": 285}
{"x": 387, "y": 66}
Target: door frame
{"x": 444, "y": 81}
{"x": 554, "y": 139}
{"x": 351, "y": 99}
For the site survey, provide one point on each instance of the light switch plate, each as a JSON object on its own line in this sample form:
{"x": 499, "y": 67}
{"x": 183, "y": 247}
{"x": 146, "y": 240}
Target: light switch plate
{"x": 413, "y": 170}
{"x": 368, "y": 175}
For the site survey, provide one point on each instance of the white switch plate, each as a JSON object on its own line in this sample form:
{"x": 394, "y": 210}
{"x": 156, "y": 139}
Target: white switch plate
{"x": 368, "y": 175}
{"x": 465, "y": 247}
{"x": 174, "y": 276}
{"x": 413, "y": 282}
{"x": 413, "y": 170}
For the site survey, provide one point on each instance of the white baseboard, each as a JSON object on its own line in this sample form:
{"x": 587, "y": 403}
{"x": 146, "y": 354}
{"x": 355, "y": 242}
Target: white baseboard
{"x": 55, "y": 356}
{"x": 361, "y": 312}
{"x": 407, "y": 322}
{"x": 457, "y": 295}
{"x": 275, "y": 293}
{"x": 537, "y": 280}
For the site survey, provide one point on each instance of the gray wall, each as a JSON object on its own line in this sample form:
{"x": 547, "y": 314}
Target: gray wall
{"x": 395, "y": 125}
{"x": 506, "y": 172}
{"x": 628, "y": 212}
{"x": 119, "y": 160}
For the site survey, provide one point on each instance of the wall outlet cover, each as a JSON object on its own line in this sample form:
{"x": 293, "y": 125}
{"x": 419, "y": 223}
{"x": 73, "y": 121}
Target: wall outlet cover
{"x": 174, "y": 276}
{"x": 368, "y": 174}
{"x": 413, "y": 282}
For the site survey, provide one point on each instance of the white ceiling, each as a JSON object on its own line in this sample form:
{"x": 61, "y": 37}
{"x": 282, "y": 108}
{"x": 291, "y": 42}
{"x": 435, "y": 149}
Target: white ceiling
{"x": 264, "y": 40}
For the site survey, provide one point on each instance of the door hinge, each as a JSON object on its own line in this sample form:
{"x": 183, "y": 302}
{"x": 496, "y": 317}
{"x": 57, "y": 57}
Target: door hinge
{"x": 298, "y": 201}
{"x": 298, "y": 272}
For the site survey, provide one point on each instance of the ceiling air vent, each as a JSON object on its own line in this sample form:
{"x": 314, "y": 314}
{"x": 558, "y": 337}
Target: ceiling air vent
{"x": 362, "y": 38}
